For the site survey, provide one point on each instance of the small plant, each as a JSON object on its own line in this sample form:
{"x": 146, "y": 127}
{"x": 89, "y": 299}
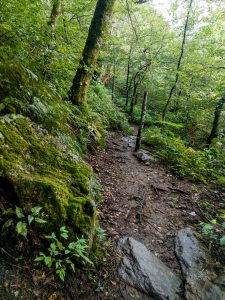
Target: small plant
{"x": 102, "y": 234}
{"x": 61, "y": 256}
{"x": 215, "y": 231}
{"x": 24, "y": 220}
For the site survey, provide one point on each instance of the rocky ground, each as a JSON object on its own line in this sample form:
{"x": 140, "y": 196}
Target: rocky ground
{"x": 145, "y": 201}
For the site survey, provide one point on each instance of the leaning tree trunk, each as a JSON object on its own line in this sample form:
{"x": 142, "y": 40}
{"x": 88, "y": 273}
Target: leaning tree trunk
{"x": 81, "y": 81}
{"x": 178, "y": 64}
{"x": 217, "y": 113}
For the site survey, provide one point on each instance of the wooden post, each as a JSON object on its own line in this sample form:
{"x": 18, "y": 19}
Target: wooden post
{"x": 141, "y": 127}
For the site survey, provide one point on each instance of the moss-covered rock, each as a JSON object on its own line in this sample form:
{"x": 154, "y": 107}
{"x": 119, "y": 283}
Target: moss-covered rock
{"x": 44, "y": 172}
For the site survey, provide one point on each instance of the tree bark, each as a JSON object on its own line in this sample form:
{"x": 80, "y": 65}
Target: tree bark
{"x": 141, "y": 127}
{"x": 81, "y": 81}
{"x": 217, "y": 114}
{"x": 133, "y": 98}
{"x": 114, "y": 80}
{"x": 128, "y": 74}
{"x": 178, "y": 63}
{"x": 54, "y": 13}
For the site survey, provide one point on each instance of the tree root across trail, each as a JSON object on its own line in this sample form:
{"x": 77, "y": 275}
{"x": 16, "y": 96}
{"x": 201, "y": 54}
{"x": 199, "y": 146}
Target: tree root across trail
{"x": 142, "y": 201}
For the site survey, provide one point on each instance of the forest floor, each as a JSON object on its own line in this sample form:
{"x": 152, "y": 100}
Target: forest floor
{"x": 146, "y": 202}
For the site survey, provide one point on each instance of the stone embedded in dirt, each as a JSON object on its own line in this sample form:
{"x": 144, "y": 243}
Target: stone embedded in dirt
{"x": 189, "y": 250}
{"x": 145, "y": 156}
{"x": 144, "y": 271}
{"x": 201, "y": 280}
{"x": 129, "y": 140}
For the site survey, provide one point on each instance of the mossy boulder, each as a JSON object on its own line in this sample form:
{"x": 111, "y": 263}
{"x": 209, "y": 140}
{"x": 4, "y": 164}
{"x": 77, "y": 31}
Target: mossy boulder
{"x": 42, "y": 171}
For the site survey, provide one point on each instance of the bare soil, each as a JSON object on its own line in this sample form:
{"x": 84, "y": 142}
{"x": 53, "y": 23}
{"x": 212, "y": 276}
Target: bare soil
{"x": 146, "y": 202}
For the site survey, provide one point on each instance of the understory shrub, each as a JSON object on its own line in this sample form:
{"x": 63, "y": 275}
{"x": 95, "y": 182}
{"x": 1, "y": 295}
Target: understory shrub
{"x": 183, "y": 160}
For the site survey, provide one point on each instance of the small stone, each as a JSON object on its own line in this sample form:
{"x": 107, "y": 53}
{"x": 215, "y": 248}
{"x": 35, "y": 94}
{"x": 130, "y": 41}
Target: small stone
{"x": 193, "y": 213}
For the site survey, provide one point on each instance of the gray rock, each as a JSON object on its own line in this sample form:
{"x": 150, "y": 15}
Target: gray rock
{"x": 189, "y": 251}
{"x": 145, "y": 156}
{"x": 144, "y": 271}
{"x": 129, "y": 140}
{"x": 201, "y": 280}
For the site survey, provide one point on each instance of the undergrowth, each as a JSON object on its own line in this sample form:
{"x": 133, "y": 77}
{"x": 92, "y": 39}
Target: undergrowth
{"x": 183, "y": 160}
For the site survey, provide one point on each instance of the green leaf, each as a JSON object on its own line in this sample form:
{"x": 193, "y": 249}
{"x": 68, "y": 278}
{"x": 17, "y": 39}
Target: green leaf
{"x": 21, "y": 228}
{"x": 61, "y": 273}
{"x": 8, "y": 212}
{"x": 222, "y": 241}
{"x": 51, "y": 237}
{"x": 48, "y": 261}
{"x": 39, "y": 258}
{"x": 72, "y": 246}
{"x": 64, "y": 232}
{"x": 207, "y": 228}
{"x": 64, "y": 235}
{"x": 30, "y": 219}
{"x": 7, "y": 224}
{"x": 36, "y": 210}
{"x": 60, "y": 245}
{"x": 40, "y": 221}
{"x": 72, "y": 267}
{"x": 19, "y": 212}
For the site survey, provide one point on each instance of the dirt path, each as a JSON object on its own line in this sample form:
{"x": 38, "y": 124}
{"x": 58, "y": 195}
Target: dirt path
{"x": 145, "y": 202}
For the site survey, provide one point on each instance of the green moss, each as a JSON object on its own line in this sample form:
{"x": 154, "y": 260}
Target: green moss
{"x": 45, "y": 172}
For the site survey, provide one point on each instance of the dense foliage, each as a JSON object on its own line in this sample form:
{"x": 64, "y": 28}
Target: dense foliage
{"x": 43, "y": 136}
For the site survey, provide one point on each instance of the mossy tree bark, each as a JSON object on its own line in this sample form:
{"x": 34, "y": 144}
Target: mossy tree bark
{"x": 54, "y": 13}
{"x": 81, "y": 81}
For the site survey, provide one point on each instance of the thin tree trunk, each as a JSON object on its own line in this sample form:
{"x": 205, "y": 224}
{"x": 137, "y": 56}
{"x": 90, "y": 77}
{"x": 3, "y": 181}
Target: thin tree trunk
{"x": 133, "y": 98}
{"x": 64, "y": 24}
{"x": 217, "y": 114}
{"x": 54, "y": 13}
{"x": 81, "y": 81}
{"x": 178, "y": 64}
{"x": 51, "y": 46}
{"x": 128, "y": 73}
{"x": 114, "y": 80}
{"x": 136, "y": 97}
{"x": 141, "y": 127}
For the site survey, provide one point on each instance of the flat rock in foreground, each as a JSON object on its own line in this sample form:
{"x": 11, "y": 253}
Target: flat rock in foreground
{"x": 144, "y": 271}
{"x": 201, "y": 280}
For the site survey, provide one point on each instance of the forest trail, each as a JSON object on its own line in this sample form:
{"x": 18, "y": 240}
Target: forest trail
{"x": 146, "y": 202}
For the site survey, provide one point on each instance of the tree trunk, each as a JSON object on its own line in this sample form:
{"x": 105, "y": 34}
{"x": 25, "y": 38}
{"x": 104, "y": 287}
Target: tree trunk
{"x": 51, "y": 46}
{"x": 133, "y": 98}
{"x": 141, "y": 127}
{"x": 178, "y": 64}
{"x": 114, "y": 80}
{"x": 54, "y": 13}
{"x": 128, "y": 73}
{"x": 217, "y": 113}
{"x": 81, "y": 81}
